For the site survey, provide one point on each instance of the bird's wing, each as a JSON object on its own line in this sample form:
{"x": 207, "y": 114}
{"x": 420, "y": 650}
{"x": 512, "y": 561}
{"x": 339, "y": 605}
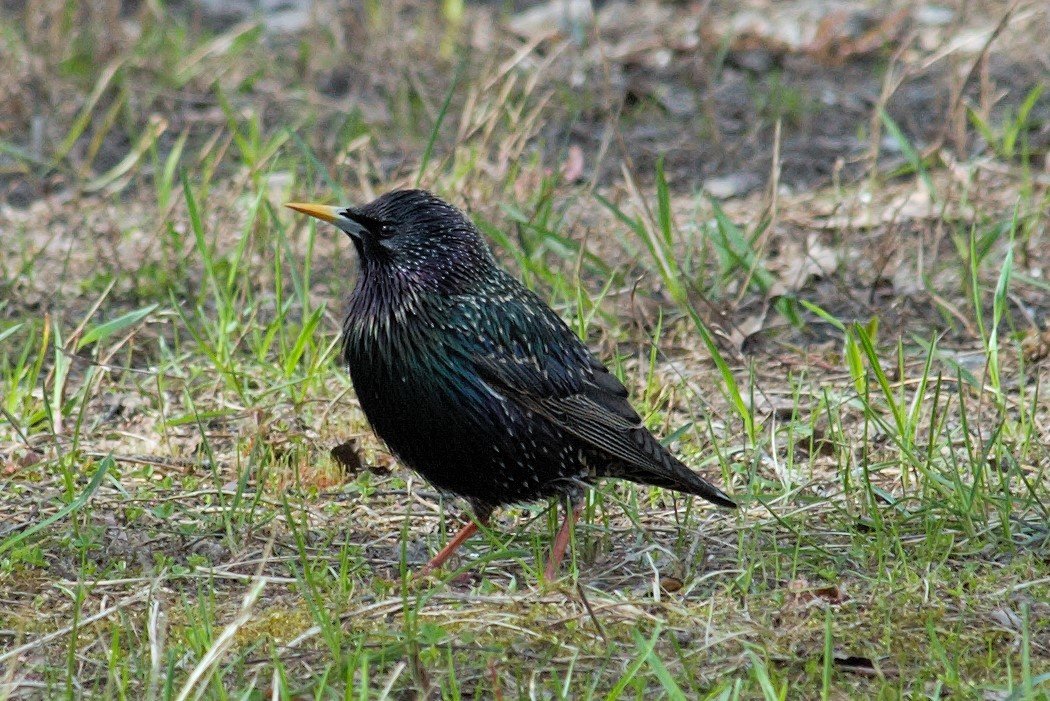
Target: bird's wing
{"x": 526, "y": 353}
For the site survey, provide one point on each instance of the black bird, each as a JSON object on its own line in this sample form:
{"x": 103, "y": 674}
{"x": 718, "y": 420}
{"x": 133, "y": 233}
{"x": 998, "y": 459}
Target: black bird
{"x": 473, "y": 381}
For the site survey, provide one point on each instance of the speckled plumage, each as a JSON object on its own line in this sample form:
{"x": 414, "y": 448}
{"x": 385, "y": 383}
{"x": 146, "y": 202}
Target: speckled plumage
{"x": 472, "y": 380}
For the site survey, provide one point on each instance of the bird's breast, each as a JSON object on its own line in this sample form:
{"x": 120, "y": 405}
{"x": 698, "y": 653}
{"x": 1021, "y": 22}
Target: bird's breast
{"x": 417, "y": 375}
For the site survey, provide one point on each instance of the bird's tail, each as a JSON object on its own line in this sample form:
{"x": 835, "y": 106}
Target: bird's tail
{"x": 675, "y": 475}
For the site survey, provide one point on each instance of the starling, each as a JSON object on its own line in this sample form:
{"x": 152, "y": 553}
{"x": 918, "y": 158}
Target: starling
{"x": 473, "y": 381}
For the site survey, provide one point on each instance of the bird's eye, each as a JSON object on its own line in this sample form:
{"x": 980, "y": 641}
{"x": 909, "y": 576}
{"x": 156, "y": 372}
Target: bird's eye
{"x": 379, "y": 228}
{"x": 383, "y": 229}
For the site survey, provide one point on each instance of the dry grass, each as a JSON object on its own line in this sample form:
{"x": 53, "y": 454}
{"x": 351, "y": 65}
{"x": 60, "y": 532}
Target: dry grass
{"x": 853, "y": 339}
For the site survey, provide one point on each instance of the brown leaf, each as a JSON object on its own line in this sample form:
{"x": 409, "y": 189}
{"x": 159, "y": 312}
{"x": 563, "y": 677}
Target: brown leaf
{"x": 28, "y": 459}
{"x": 803, "y": 594}
{"x": 845, "y": 34}
{"x": 798, "y": 262}
{"x": 670, "y": 584}
{"x": 1035, "y": 345}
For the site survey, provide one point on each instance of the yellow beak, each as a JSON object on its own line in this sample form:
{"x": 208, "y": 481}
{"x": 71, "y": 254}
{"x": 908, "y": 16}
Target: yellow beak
{"x": 321, "y": 211}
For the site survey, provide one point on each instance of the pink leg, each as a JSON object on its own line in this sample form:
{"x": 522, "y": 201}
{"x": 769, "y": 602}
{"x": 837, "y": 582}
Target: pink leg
{"x": 561, "y": 541}
{"x": 461, "y": 537}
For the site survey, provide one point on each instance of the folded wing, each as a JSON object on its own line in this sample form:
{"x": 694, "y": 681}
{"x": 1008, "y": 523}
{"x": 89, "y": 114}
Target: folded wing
{"x": 542, "y": 366}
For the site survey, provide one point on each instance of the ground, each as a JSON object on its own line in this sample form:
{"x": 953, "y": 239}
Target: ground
{"x": 811, "y": 237}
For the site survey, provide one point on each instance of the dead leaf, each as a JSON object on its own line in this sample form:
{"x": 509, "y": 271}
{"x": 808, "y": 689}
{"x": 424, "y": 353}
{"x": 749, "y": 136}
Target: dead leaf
{"x": 909, "y": 206}
{"x": 641, "y": 34}
{"x": 28, "y": 459}
{"x": 804, "y": 594}
{"x": 1035, "y": 345}
{"x": 670, "y": 584}
{"x": 797, "y": 264}
{"x": 829, "y": 32}
{"x": 846, "y": 34}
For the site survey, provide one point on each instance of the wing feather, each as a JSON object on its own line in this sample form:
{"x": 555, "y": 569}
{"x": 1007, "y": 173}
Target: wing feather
{"x": 537, "y": 362}
{"x": 534, "y": 360}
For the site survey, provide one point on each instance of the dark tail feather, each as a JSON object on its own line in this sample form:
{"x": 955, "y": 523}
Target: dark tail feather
{"x": 693, "y": 483}
{"x": 680, "y": 478}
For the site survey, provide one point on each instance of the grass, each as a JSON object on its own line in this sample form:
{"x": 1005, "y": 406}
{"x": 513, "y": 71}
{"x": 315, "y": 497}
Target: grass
{"x": 173, "y": 525}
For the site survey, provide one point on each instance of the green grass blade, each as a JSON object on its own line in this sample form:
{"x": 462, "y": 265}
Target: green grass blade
{"x": 96, "y": 480}
{"x": 103, "y": 331}
{"x": 428, "y": 151}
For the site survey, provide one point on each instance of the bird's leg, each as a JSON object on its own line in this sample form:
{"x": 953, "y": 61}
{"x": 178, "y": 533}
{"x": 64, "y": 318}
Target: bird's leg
{"x": 445, "y": 553}
{"x": 462, "y": 535}
{"x": 561, "y": 541}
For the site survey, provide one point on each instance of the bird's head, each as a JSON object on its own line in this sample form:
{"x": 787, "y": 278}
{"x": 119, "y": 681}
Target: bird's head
{"x": 408, "y": 232}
